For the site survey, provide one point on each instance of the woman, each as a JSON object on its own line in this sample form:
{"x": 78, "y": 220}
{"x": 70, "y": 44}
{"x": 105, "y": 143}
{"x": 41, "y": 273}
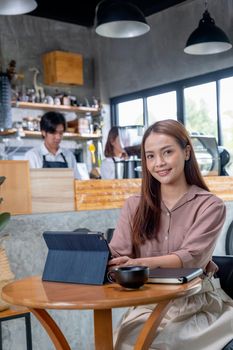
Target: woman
{"x": 113, "y": 153}
{"x": 175, "y": 222}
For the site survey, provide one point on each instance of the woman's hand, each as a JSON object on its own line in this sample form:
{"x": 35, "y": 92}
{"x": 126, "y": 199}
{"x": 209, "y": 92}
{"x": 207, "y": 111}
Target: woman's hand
{"x": 171, "y": 260}
{"x": 122, "y": 261}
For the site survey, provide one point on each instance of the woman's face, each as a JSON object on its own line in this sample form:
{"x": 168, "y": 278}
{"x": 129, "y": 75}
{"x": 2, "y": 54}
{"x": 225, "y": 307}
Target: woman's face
{"x": 165, "y": 158}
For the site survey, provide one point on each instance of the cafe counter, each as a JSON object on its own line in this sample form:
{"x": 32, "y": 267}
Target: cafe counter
{"x": 30, "y": 191}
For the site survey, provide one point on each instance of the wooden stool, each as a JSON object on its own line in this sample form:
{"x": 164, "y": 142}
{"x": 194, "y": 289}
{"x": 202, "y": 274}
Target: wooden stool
{"x": 13, "y": 313}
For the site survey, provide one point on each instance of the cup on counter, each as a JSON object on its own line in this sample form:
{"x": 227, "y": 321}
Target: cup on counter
{"x": 129, "y": 277}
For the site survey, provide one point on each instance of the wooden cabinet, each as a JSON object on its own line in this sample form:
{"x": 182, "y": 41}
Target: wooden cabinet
{"x": 62, "y": 68}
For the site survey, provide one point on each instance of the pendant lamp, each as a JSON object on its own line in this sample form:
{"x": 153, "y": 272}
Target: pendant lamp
{"x": 16, "y": 7}
{"x": 120, "y": 19}
{"x": 207, "y": 39}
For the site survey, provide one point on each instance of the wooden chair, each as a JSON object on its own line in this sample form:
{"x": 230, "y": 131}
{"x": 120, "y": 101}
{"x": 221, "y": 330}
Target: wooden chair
{"x": 13, "y": 313}
{"x": 225, "y": 274}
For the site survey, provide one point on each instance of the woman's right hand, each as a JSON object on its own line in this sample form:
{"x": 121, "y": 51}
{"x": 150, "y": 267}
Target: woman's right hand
{"x": 122, "y": 261}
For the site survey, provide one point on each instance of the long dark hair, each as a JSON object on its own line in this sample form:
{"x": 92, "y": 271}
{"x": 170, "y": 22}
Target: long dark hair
{"x": 109, "y": 148}
{"x": 147, "y": 218}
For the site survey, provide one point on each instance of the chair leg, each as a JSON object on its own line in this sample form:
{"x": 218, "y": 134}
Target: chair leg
{"x": 0, "y": 335}
{"x": 28, "y": 331}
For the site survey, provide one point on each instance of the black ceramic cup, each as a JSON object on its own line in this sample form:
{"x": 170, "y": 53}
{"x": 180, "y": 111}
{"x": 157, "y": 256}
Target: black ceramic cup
{"x": 130, "y": 277}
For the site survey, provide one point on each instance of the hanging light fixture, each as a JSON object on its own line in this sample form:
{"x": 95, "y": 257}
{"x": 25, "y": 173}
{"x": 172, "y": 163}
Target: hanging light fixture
{"x": 207, "y": 39}
{"x": 16, "y": 7}
{"x": 120, "y": 19}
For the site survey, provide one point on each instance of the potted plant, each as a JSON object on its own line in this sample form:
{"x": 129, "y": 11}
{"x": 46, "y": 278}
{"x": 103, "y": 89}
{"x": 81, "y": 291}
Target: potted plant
{"x": 6, "y": 274}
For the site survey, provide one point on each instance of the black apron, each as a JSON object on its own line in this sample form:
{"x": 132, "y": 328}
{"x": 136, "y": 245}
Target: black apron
{"x": 47, "y": 164}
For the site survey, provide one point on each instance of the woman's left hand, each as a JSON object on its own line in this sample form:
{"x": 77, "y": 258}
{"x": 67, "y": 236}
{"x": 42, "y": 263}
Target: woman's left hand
{"x": 122, "y": 261}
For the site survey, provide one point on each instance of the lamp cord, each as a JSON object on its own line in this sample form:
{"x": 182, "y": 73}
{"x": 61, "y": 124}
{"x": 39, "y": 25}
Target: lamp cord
{"x": 206, "y": 4}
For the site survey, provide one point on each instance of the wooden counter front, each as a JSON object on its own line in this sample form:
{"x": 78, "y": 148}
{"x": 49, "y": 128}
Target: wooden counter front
{"x": 110, "y": 194}
{"x": 104, "y": 194}
{"x": 29, "y": 191}
{"x": 221, "y": 186}
{"x": 52, "y": 190}
{"x": 16, "y": 189}
{"x": 55, "y": 190}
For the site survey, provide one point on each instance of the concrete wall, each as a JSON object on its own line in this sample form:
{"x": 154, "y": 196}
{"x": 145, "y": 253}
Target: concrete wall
{"x": 128, "y": 65}
{"x": 26, "y": 38}
{"x": 114, "y": 67}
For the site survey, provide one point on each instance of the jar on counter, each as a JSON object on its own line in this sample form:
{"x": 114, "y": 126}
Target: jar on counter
{"x": 83, "y": 126}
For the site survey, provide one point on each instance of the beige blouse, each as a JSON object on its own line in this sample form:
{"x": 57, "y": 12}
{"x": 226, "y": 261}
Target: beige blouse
{"x": 190, "y": 230}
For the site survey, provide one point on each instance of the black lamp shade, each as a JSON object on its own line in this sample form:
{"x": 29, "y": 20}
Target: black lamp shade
{"x": 120, "y": 19}
{"x": 207, "y": 38}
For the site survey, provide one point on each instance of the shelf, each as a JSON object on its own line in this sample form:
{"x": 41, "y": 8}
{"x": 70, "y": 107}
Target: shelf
{"x": 7, "y": 132}
{"x": 44, "y": 106}
{"x": 66, "y": 135}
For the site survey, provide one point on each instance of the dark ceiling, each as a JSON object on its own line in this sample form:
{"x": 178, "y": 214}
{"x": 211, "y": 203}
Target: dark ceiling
{"x": 83, "y": 12}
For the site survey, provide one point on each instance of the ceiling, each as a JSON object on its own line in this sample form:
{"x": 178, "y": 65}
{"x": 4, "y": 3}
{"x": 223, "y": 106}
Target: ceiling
{"x": 70, "y": 12}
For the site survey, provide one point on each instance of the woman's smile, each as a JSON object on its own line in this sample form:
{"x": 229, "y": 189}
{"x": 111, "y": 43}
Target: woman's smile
{"x": 164, "y": 172}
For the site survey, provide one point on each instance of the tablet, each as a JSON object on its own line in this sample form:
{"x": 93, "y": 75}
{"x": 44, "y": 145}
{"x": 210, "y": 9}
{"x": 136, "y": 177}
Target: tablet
{"x": 76, "y": 257}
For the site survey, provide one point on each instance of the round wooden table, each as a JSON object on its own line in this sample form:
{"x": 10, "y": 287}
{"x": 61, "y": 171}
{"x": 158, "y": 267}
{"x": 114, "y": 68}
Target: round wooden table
{"x": 38, "y": 295}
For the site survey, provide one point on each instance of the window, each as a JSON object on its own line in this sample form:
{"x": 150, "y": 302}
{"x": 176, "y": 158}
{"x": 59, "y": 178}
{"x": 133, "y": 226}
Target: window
{"x": 203, "y": 104}
{"x": 226, "y": 117}
{"x": 162, "y": 106}
{"x": 200, "y": 107}
{"x": 131, "y": 113}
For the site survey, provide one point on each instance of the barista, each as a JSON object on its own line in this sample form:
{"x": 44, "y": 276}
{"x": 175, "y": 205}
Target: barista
{"x": 49, "y": 154}
{"x": 113, "y": 152}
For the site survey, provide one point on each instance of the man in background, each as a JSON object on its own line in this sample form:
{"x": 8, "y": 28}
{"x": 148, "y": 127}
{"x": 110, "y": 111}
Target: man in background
{"x": 49, "y": 154}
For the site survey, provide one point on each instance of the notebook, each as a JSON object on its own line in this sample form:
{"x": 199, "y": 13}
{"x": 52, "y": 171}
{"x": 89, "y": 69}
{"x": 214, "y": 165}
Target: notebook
{"x": 76, "y": 257}
{"x": 173, "y": 275}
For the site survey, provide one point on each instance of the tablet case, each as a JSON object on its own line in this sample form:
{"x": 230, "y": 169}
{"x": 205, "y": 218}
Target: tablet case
{"x": 76, "y": 257}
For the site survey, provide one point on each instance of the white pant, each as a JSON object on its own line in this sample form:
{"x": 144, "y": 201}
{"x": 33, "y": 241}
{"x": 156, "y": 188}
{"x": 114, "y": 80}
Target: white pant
{"x": 200, "y": 322}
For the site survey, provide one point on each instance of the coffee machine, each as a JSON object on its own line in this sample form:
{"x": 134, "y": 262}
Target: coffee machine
{"x": 207, "y": 154}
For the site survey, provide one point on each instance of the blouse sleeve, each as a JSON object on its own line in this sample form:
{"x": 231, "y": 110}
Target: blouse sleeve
{"x": 121, "y": 242}
{"x": 200, "y": 240}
